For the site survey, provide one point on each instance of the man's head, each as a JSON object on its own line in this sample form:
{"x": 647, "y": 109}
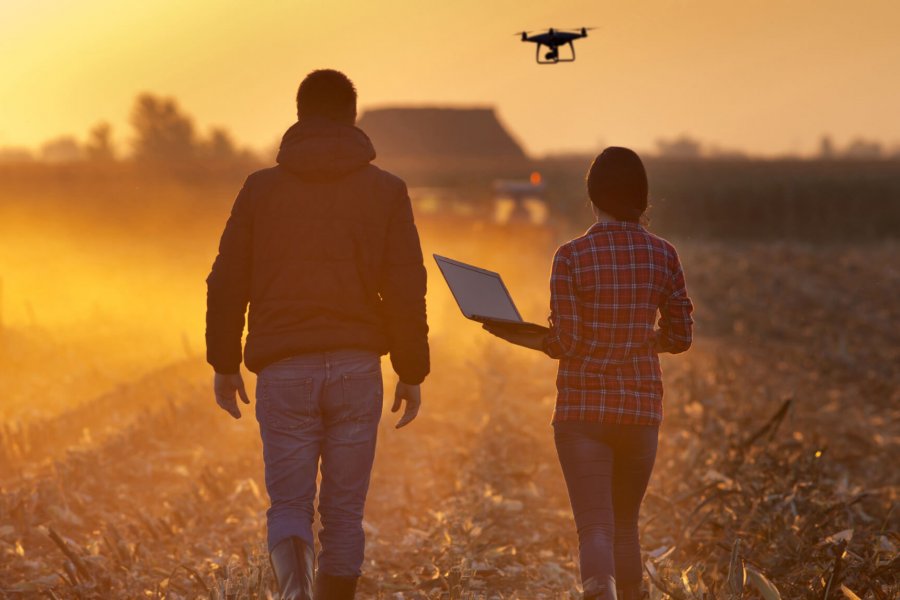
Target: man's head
{"x": 327, "y": 93}
{"x": 617, "y": 184}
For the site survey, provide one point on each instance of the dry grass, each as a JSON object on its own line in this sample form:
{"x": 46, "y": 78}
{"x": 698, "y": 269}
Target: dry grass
{"x": 779, "y": 431}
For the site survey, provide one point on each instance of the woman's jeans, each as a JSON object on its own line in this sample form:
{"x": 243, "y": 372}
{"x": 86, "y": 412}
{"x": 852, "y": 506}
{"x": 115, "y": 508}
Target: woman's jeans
{"x": 607, "y": 468}
{"x": 311, "y": 407}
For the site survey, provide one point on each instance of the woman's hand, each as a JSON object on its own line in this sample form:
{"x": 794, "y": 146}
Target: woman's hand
{"x": 527, "y": 339}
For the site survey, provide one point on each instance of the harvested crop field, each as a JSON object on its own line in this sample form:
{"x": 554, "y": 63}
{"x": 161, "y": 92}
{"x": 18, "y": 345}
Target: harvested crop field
{"x": 120, "y": 478}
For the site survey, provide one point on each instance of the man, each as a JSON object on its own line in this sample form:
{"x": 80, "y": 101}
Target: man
{"x": 324, "y": 249}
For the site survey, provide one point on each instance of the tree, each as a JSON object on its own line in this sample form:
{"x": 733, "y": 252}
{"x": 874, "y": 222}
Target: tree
{"x": 863, "y": 149}
{"x": 219, "y": 145}
{"x": 162, "y": 132}
{"x": 62, "y": 149}
{"x": 99, "y": 146}
{"x": 13, "y": 154}
{"x": 826, "y": 148}
{"x": 681, "y": 147}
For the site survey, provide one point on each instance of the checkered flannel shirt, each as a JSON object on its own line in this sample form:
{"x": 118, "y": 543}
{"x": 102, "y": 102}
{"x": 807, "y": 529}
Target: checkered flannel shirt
{"x": 606, "y": 290}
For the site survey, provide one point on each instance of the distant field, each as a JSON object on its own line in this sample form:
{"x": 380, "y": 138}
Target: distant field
{"x": 817, "y": 201}
{"x": 119, "y": 478}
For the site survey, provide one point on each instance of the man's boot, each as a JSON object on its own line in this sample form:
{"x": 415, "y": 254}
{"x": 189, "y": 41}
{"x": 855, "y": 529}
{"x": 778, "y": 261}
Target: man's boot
{"x": 634, "y": 591}
{"x": 292, "y": 563}
{"x": 329, "y": 587}
{"x": 596, "y": 589}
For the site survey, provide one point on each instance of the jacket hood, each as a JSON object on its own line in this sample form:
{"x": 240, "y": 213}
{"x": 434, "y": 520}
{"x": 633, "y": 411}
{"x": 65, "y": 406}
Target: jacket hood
{"x": 319, "y": 148}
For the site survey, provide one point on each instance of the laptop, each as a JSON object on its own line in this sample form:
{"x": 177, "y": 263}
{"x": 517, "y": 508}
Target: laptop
{"x": 482, "y": 296}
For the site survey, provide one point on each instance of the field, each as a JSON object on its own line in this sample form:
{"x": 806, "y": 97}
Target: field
{"x": 120, "y": 478}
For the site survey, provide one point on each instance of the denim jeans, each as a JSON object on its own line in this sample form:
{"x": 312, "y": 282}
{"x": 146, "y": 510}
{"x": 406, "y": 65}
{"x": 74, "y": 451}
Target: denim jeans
{"x": 320, "y": 407}
{"x": 606, "y": 468}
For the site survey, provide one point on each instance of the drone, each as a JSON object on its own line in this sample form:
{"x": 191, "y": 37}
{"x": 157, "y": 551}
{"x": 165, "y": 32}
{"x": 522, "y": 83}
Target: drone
{"x": 553, "y": 39}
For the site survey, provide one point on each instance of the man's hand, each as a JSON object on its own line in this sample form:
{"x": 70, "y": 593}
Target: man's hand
{"x": 225, "y": 386}
{"x": 533, "y": 340}
{"x": 413, "y": 396}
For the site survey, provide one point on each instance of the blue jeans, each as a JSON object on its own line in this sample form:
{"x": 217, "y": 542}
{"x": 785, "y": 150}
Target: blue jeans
{"x": 311, "y": 407}
{"x": 607, "y": 468}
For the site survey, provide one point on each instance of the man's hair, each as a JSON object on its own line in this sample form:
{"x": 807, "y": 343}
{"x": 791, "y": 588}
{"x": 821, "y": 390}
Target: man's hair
{"x": 327, "y": 93}
{"x": 617, "y": 184}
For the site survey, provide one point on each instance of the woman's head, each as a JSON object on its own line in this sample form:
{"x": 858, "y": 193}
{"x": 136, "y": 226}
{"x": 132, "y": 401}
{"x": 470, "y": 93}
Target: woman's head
{"x": 617, "y": 184}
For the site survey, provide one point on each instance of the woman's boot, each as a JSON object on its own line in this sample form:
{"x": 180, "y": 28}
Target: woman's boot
{"x": 329, "y": 587}
{"x": 292, "y": 562}
{"x": 595, "y": 589}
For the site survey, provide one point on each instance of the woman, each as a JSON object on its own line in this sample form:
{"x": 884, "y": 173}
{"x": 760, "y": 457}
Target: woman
{"x": 606, "y": 289}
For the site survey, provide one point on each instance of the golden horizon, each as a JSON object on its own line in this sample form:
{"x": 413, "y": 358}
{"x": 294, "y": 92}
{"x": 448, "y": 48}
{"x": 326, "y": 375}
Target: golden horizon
{"x": 768, "y": 79}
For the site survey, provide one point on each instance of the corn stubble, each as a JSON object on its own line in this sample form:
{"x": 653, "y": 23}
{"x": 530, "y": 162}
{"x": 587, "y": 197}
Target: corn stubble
{"x": 774, "y": 477}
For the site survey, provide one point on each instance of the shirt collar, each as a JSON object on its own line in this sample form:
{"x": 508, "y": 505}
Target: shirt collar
{"x": 615, "y": 226}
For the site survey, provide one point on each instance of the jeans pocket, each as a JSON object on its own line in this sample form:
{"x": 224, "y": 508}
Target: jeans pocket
{"x": 362, "y": 396}
{"x": 286, "y": 404}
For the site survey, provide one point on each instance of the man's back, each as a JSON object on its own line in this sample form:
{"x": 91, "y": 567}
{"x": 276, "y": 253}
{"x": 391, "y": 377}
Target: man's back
{"x": 324, "y": 248}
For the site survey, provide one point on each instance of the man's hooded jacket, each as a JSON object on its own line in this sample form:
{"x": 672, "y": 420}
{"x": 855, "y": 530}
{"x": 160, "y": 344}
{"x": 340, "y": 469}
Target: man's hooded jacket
{"x": 324, "y": 249}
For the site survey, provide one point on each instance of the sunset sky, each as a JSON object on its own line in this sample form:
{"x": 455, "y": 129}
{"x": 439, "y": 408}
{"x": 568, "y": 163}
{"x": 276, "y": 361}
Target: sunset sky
{"x": 767, "y": 76}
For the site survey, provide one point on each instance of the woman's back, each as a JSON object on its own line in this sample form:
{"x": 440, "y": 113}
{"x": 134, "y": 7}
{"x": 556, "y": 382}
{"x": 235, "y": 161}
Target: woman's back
{"x": 606, "y": 290}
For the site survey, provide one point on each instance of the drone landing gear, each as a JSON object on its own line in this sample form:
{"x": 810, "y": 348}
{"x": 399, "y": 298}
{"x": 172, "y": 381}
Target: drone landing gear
{"x": 552, "y": 55}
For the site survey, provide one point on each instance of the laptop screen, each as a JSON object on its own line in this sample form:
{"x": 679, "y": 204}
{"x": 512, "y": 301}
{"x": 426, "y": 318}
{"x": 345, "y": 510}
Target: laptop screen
{"x": 478, "y": 291}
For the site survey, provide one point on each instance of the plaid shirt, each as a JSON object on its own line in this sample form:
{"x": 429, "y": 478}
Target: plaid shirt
{"x": 605, "y": 291}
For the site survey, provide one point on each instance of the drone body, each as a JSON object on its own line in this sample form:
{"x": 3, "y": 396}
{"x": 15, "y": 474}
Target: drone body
{"x": 553, "y": 39}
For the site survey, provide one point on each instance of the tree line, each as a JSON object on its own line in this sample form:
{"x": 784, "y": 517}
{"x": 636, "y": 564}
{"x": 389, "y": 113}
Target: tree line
{"x": 161, "y": 133}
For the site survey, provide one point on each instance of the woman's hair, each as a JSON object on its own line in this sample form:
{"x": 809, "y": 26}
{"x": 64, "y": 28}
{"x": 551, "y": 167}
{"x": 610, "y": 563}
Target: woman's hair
{"x": 617, "y": 184}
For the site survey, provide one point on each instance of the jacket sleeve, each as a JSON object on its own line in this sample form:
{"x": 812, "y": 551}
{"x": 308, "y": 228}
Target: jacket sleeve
{"x": 675, "y": 323}
{"x": 402, "y": 289}
{"x": 565, "y": 324}
{"x": 228, "y": 288}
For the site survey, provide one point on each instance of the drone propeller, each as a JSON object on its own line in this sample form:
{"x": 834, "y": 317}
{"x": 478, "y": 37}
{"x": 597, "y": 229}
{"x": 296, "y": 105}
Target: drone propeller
{"x": 554, "y": 30}
{"x": 575, "y": 30}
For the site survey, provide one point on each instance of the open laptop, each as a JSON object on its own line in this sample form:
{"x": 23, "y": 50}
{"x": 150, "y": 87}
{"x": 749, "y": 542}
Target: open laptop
{"x": 482, "y": 296}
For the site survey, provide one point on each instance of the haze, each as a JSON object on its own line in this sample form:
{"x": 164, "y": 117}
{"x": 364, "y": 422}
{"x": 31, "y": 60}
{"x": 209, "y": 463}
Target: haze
{"x": 764, "y": 76}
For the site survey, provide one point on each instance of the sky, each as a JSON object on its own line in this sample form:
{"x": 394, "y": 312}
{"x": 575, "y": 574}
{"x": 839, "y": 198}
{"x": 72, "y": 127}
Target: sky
{"x": 766, "y": 76}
